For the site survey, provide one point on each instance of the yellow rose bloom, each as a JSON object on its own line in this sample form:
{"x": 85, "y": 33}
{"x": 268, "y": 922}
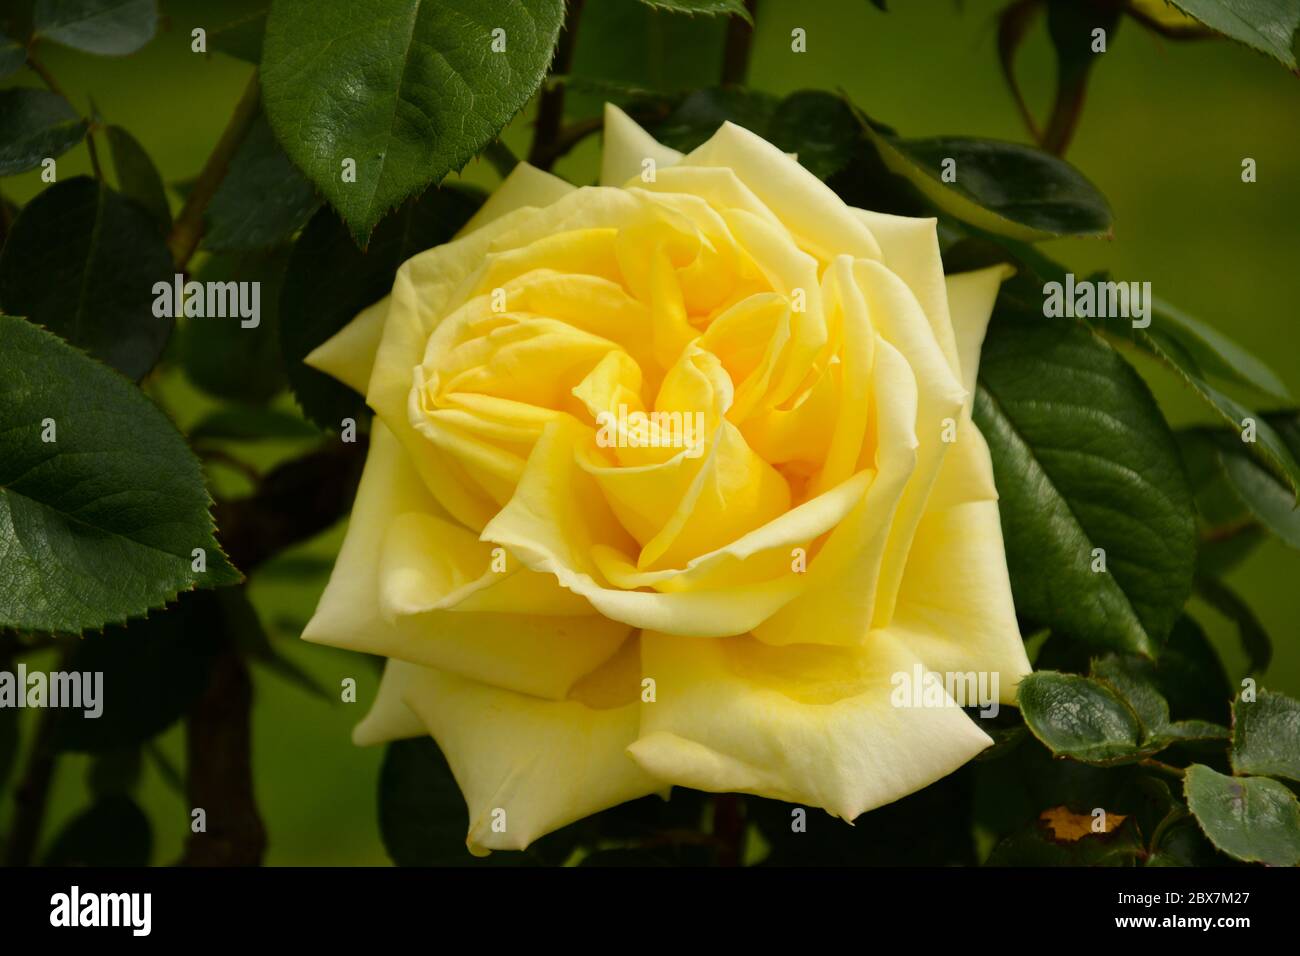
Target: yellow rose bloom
{"x": 669, "y": 479}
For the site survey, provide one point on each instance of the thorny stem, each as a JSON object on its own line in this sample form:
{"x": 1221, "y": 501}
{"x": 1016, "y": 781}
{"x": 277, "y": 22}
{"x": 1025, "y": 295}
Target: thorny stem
{"x": 550, "y": 108}
{"x": 1162, "y": 767}
{"x": 47, "y": 78}
{"x": 188, "y": 228}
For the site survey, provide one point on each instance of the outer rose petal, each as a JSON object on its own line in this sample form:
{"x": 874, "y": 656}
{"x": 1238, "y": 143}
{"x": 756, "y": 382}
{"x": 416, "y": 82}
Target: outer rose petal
{"x": 806, "y": 724}
{"x": 349, "y": 355}
{"x": 537, "y": 653}
{"x": 545, "y": 763}
{"x": 955, "y": 605}
{"x": 627, "y": 145}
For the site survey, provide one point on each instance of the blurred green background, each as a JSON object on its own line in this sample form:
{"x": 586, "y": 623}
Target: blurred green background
{"x": 1163, "y": 134}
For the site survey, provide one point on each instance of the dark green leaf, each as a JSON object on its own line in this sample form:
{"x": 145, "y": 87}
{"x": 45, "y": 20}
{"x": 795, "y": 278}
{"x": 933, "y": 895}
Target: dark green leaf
{"x": 1081, "y": 718}
{"x": 1266, "y": 736}
{"x": 100, "y": 524}
{"x": 220, "y": 355}
{"x": 262, "y": 201}
{"x": 1212, "y": 353}
{"x": 1264, "y": 25}
{"x": 153, "y": 671}
{"x": 242, "y": 38}
{"x": 115, "y": 771}
{"x": 12, "y": 55}
{"x": 819, "y": 128}
{"x": 108, "y": 27}
{"x": 711, "y": 8}
{"x": 408, "y": 89}
{"x": 252, "y": 424}
{"x": 113, "y": 832}
{"x": 1167, "y": 341}
{"x": 1251, "y": 818}
{"x": 35, "y": 125}
{"x": 1191, "y": 676}
{"x": 1180, "y": 843}
{"x": 701, "y": 112}
{"x": 1003, "y": 188}
{"x": 1084, "y": 460}
{"x": 1268, "y": 500}
{"x": 329, "y": 281}
{"x": 82, "y": 261}
{"x": 1255, "y": 640}
{"x": 1134, "y": 679}
{"x": 137, "y": 177}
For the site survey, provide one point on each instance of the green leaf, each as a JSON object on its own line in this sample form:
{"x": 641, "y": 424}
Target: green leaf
{"x": 1251, "y": 818}
{"x": 1191, "y": 677}
{"x": 82, "y": 261}
{"x": 220, "y": 355}
{"x": 114, "y": 831}
{"x": 98, "y": 525}
{"x": 1212, "y": 353}
{"x": 1083, "y": 460}
{"x": 1181, "y": 843}
{"x": 137, "y": 177}
{"x": 12, "y": 55}
{"x": 1139, "y": 681}
{"x": 818, "y": 127}
{"x": 252, "y": 424}
{"x": 263, "y": 200}
{"x": 115, "y": 771}
{"x": 1081, "y": 718}
{"x": 1268, "y": 448}
{"x": 1266, "y": 736}
{"x": 241, "y": 38}
{"x": 1255, "y": 640}
{"x": 35, "y": 125}
{"x": 1263, "y": 25}
{"x": 329, "y": 280}
{"x": 1268, "y": 500}
{"x": 1003, "y": 188}
{"x": 154, "y": 669}
{"x": 1134, "y": 679}
{"x": 708, "y": 8}
{"x": 408, "y": 89}
{"x": 107, "y": 27}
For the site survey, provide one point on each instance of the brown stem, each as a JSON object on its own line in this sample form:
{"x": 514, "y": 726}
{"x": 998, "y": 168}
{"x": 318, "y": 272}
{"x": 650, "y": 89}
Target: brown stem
{"x": 567, "y": 138}
{"x": 219, "y": 778}
{"x": 188, "y": 227}
{"x": 292, "y": 503}
{"x": 729, "y": 828}
{"x": 550, "y": 109}
{"x": 32, "y": 796}
{"x": 735, "y": 55}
